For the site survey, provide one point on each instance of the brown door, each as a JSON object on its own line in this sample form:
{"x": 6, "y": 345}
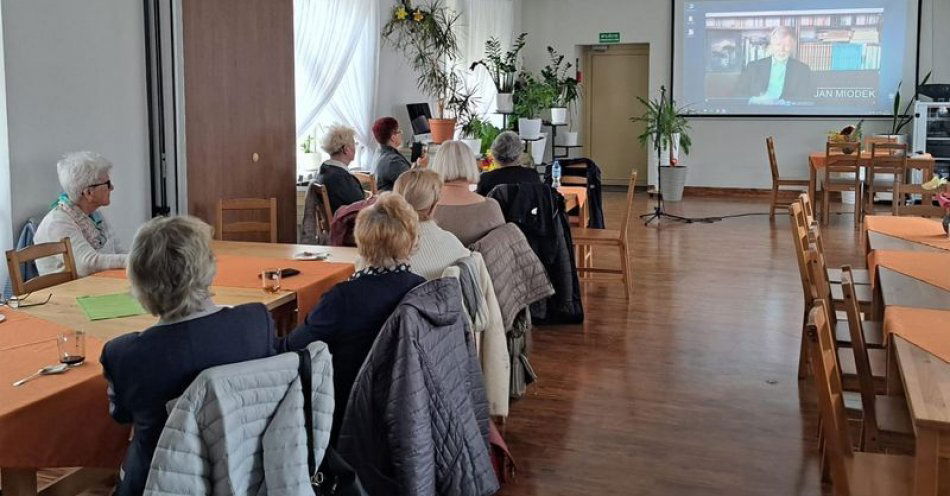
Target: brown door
{"x": 239, "y": 105}
{"x": 616, "y": 77}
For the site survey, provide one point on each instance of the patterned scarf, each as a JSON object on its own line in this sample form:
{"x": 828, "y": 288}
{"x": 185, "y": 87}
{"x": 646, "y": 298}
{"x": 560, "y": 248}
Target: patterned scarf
{"x": 378, "y": 271}
{"x": 90, "y": 225}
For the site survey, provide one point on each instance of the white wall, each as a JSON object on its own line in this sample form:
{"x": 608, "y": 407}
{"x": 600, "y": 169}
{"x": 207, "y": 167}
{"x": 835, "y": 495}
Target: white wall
{"x": 726, "y": 152}
{"x": 74, "y": 74}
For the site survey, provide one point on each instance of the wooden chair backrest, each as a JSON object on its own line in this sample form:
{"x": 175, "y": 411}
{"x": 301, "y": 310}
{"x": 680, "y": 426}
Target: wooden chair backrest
{"x": 367, "y": 181}
{"x": 903, "y": 187}
{"x": 773, "y": 161}
{"x": 818, "y": 274}
{"x": 860, "y": 349}
{"x": 800, "y": 242}
{"x": 625, "y": 217}
{"x": 824, "y": 362}
{"x": 15, "y": 258}
{"x": 807, "y": 207}
{"x": 247, "y": 227}
{"x": 888, "y": 158}
{"x": 324, "y": 212}
{"x": 837, "y": 161}
{"x": 574, "y": 180}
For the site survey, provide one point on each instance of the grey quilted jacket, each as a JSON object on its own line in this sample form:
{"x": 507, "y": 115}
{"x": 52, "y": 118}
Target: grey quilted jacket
{"x": 417, "y": 419}
{"x": 518, "y": 276}
{"x": 239, "y": 430}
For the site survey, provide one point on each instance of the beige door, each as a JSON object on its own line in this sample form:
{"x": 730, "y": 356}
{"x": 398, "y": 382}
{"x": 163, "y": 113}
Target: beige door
{"x": 615, "y": 78}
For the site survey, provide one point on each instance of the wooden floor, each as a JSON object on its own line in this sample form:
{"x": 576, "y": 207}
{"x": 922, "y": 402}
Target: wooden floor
{"x": 690, "y": 387}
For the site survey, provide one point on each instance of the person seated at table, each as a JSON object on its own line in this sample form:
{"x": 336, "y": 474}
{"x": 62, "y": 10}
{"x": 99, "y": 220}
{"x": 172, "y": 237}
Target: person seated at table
{"x": 171, "y": 267}
{"x": 466, "y": 214}
{"x": 351, "y": 314}
{"x": 342, "y": 187}
{"x": 390, "y": 163}
{"x": 84, "y": 177}
{"x": 437, "y": 248}
{"x": 507, "y": 150}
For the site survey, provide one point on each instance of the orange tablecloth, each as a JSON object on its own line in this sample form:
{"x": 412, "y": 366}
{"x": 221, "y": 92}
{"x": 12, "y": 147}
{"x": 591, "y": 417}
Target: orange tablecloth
{"x": 914, "y": 229}
{"x": 315, "y": 278}
{"x": 928, "y": 329}
{"x": 580, "y": 191}
{"x": 54, "y": 421}
{"x": 932, "y": 268}
{"x": 817, "y": 160}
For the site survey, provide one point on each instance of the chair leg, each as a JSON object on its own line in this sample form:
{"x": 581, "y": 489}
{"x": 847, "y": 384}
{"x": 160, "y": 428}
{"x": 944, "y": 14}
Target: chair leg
{"x": 625, "y": 267}
{"x": 858, "y": 206}
{"x": 803, "y": 351}
{"x": 825, "y": 199}
{"x": 774, "y": 201}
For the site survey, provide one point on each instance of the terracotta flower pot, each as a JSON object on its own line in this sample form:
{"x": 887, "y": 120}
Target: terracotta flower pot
{"x": 442, "y": 129}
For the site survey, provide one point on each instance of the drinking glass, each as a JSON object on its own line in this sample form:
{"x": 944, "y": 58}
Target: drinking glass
{"x": 72, "y": 347}
{"x": 270, "y": 280}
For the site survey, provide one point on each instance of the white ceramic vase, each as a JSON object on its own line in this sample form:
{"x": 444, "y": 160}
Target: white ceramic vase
{"x": 529, "y": 128}
{"x": 558, "y": 116}
{"x": 505, "y": 102}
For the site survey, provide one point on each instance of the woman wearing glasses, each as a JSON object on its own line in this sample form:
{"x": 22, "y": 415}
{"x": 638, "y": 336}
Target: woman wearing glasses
{"x": 390, "y": 163}
{"x": 84, "y": 177}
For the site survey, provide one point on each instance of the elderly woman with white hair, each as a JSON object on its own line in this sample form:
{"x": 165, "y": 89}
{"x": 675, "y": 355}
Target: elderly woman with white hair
{"x": 84, "y": 177}
{"x": 342, "y": 187}
{"x": 507, "y": 150}
{"x": 171, "y": 267}
{"x": 437, "y": 248}
{"x": 466, "y": 214}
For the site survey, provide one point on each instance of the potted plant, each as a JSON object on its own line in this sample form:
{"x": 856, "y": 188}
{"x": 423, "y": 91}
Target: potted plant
{"x": 666, "y": 129}
{"x": 463, "y": 104}
{"x": 426, "y": 35}
{"x": 563, "y": 86}
{"x": 900, "y": 120}
{"x": 503, "y": 69}
{"x": 849, "y": 134}
{"x": 308, "y": 159}
{"x": 531, "y": 97}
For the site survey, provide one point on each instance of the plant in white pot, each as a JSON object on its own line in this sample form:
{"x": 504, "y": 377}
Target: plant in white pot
{"x": 307, "y": 158}
{"x": 426, "y": 35}
{"x": 564, "y": 86}
{"x": 666, "y": 129}
{"x": 900, "y": 120}
{"x": 464, "y": 105}
{"x": 503, "y": 69}
{"x": 531, "y": 97}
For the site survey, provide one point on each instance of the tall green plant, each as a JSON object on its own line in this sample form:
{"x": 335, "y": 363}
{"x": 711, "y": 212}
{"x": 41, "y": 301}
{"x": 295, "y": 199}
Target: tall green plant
{"x": 503, "y": 67}
{"x": 426, "y": 35}
{"x": 557, "y": 75}
{"x": 663, "y": 119}
{"x": 900, "y": 120}
{"x": 532, "y": 96}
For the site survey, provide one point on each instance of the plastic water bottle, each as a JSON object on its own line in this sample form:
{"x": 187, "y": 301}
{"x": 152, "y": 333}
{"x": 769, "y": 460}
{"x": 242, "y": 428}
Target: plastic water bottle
{"x": 556, "y": 174}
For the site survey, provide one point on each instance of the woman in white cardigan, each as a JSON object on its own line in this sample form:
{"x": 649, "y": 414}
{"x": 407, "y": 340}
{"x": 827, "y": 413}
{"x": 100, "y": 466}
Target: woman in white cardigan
{"x": 84, "y": 177}
{"x": 437, "y": 248}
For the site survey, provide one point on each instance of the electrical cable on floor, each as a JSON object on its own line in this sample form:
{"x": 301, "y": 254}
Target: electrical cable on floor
{"x": 720, "y": 218}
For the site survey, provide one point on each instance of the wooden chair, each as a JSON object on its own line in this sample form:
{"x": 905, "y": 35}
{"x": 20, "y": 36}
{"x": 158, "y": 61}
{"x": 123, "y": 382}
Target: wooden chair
{"x": 367, "y": 181}
{"x": 885, "y": 422}
{"x": 316, "y": 223}
{"x": 861, "y": 276}
{"x": 588, "y": 238}
{"x": 876, "y": 357}
{"x": 886, "y": 158}
{"x": 247, "y": 227}
{"x": 905, "y": 186}
{"x": 15, "y": 259}
{"x": 777, "y": 181}
{"x": 575, "y": 219}
{"x": 838, "y": 162}
{"x": 852, "y": 473}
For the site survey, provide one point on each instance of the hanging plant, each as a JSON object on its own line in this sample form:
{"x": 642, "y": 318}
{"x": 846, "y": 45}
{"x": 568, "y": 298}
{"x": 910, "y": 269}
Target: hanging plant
{"x": 426, "y": 36}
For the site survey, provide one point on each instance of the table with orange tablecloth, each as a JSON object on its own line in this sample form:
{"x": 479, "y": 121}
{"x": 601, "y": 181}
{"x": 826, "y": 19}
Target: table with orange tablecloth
{"x": 52, "y": 421}
{"x": 816, "y": 162}
{"x": 576, "y": 196}
{"x": 919, "y": 230}
{"x": 932, "y": 268}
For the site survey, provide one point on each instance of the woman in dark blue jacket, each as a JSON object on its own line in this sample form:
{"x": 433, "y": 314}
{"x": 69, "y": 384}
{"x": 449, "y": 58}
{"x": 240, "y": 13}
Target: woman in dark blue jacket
{"x": 170, "y": 268}
{"x": 350, "y": 315}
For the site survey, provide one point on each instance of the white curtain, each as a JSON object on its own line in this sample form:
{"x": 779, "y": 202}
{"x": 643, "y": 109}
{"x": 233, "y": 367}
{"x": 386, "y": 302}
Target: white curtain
{"x": 336, "y": 51}
{"x": 484, "y": 19}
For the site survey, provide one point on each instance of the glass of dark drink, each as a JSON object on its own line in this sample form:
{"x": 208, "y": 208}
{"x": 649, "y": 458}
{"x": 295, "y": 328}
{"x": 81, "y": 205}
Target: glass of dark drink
{"x": 72, "y": 347}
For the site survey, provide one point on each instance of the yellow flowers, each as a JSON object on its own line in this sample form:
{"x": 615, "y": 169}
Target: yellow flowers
{"x": 934, "y": 183}
{"x": 418, "y": 16}
{"x": 401, "y": 13}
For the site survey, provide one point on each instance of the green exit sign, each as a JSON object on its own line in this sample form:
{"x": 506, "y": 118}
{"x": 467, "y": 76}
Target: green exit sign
{"x": 609, "y": 38}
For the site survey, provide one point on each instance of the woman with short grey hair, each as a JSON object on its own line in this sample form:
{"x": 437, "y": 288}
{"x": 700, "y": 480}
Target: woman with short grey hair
{"x": 171, "y": 267}
{"x": 507, "y": 150}
{"x": 84, "y": 177}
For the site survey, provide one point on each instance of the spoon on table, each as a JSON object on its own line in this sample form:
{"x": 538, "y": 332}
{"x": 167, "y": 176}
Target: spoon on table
{"x": 47, "y": 370}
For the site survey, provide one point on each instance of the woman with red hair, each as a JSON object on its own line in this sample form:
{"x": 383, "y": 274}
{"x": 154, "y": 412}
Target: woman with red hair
{"x": 391, "y": 163}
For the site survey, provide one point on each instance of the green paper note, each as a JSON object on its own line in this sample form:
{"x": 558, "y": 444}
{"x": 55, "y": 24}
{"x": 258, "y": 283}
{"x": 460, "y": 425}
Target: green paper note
{"x": 110, "y": 306}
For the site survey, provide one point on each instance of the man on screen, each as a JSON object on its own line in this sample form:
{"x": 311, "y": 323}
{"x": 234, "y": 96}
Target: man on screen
{"x": 777, "y": 79}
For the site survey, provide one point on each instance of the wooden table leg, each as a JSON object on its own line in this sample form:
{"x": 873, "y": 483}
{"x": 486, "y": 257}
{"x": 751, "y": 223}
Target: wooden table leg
{"x": 18, "y": 481}
{"x": 926, "y": 462}
{"x": 812, "y": 186}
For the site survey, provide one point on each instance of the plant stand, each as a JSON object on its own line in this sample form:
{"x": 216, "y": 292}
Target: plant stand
{"x": 554, "y": 155}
